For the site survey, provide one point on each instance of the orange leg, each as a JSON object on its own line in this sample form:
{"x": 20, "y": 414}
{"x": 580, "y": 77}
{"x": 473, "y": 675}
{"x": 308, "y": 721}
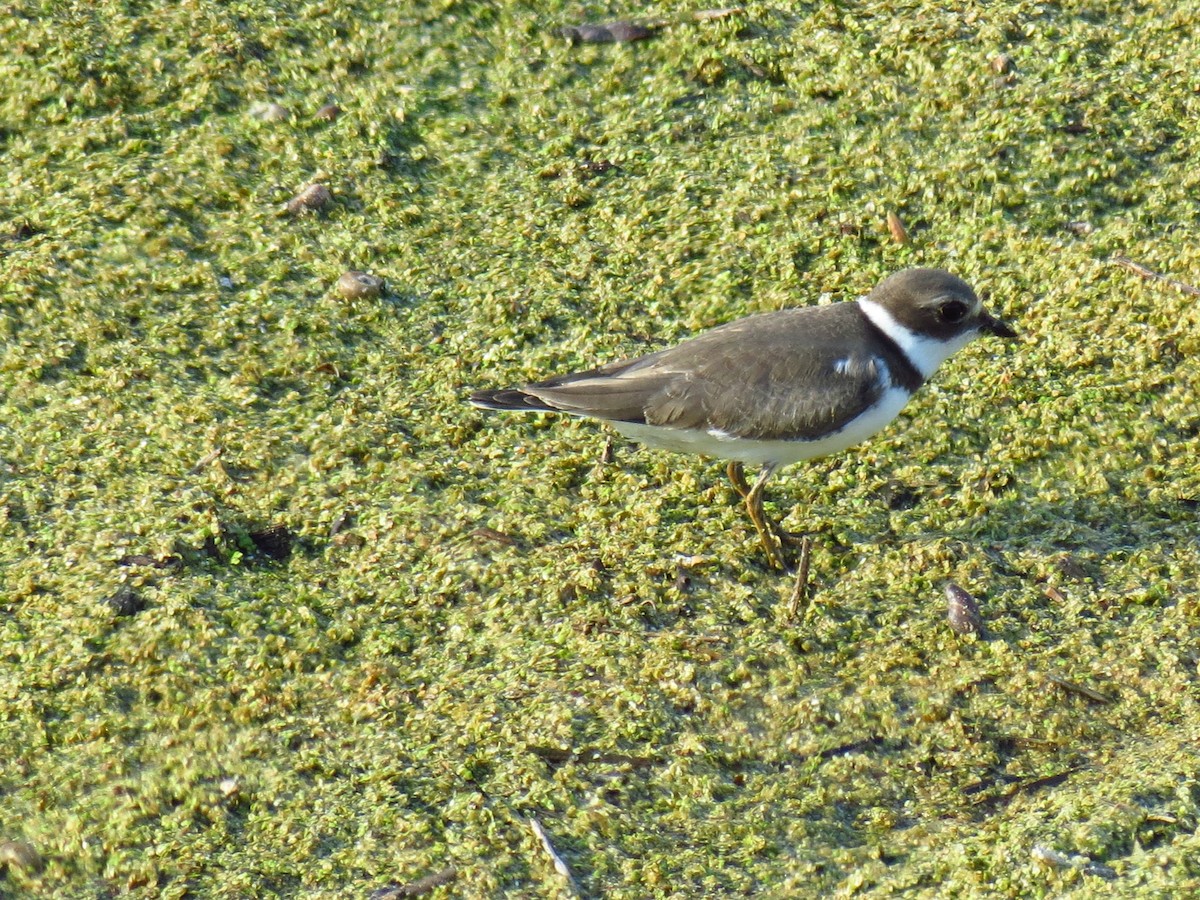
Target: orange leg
{"x": 769, "y": 532}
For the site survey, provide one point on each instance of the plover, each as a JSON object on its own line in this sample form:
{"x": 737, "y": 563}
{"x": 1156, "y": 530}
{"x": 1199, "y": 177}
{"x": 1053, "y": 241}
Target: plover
{"x": 780, "y": 387}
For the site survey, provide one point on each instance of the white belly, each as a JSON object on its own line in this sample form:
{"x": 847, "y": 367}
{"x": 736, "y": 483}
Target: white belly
{"x": 725, "y": 446}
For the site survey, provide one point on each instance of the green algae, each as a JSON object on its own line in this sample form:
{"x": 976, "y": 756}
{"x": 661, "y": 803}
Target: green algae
{"x": 480, "y": 622}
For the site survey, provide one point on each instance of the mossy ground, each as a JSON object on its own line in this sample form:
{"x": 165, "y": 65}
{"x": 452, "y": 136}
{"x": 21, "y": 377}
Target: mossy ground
{"x": 480, "y": 622}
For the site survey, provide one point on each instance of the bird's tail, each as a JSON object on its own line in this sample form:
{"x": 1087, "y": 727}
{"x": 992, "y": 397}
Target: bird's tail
{"x": 510, "y": 398}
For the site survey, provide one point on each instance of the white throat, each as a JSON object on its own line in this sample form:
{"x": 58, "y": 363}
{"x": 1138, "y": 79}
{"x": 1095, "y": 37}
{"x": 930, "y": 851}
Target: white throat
{"x": 924, "y": 352}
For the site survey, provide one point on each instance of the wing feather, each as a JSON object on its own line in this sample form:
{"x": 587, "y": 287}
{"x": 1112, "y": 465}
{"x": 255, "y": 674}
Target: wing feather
{"x": 740, "y": 379}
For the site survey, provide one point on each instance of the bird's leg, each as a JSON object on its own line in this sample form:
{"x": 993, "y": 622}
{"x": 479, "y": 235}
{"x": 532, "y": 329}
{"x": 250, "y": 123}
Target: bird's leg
{"x": 738, "y": 476}
{"x": 768, "y": 529}
{"x": 753, "y": 498}
{"x": 770, "y": 532}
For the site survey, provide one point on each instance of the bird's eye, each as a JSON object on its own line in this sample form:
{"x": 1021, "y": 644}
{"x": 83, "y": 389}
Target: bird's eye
{"x": 952, "y": 311}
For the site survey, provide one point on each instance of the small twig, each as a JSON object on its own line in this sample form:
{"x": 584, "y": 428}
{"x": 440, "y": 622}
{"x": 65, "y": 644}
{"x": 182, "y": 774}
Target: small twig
{"x": 208, "y": 457}
{"x": 1054, "y": 594}
{"x": 799, "y": 598}
{"x": 607, "y": 455}
{"x": 418, "y": 887}
{"x": 874, "y": 741}
{"x": 558, "y": 756}
{"x": 711, "y": 15}
{"x": 1083, "y": 690}
{"x": 1013, "y": 789}
{"x": 559, "y": 865}
{"x": 1150, "y": 274}
{"x": 491, "y": 534}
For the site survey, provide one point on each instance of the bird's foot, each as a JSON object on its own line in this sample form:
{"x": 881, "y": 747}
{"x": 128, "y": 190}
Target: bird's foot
{"x": 789, "y": 538}
{"x": 773, "y": 547}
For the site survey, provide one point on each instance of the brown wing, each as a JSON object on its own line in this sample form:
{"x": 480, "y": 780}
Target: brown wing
{"x": 795, "y": 374}
{"x": 771, "y": 398}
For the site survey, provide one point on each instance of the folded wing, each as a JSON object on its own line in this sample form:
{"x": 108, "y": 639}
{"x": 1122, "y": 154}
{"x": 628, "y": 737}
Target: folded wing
{"x": 778, "y": 376}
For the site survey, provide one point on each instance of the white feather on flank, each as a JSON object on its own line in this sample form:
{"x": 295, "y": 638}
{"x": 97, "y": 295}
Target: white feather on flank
{"x": 722, "y": 445}
{"x": 924, "y": 352}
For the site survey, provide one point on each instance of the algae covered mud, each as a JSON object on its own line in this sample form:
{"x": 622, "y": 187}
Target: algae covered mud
{"x": 281, "y": 616}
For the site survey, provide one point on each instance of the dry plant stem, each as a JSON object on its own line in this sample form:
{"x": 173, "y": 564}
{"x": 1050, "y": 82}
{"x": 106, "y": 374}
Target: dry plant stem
{"x": 559, "y": 865}
{"x": 1072, "y": 687}
{"x": 422, "y": 885}
{"x": 1149, "y": 273}
{"x": 800, "y": 596}
{"x": 208, "y": 457}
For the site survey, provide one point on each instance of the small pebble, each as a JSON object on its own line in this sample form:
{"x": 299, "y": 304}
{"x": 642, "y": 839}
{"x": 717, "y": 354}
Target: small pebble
{"x": 962, "y": 611}
{"x": 125, "y": 602}
{"x": 274, "y": 541}
{"x": 1050, "y": 858}
{"x": 349, "y": 539}
{"x": 1002, "y": 64}
{"x": 1100, "y": 870}
{"x": 270, "y": 112}
{"x": 683, "y": 580}
{"x": 313, "y": 198}
{"x": 354, "y": 285}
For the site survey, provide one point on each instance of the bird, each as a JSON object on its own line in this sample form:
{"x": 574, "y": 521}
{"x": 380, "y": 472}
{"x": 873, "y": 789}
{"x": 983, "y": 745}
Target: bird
{"x": 779, "y": 387}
